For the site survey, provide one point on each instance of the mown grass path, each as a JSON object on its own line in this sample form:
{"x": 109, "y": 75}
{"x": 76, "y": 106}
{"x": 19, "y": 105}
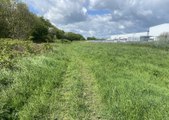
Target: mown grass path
{"x": 80, "y": 95}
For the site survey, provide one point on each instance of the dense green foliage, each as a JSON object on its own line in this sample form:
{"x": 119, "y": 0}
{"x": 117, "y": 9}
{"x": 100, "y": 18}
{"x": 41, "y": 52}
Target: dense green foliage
{"x": 94, "y": 38}
{"x": 91, "y": 38}
{"x": 17, "y": 22}
{"x": 73, "y": 36}
{"x": 40, "y": 33}
{"x": 88, "y": 81}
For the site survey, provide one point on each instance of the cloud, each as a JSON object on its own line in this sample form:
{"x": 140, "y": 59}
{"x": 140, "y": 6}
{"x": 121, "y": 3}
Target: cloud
{"x": 102, "y": 18}
{"x": 144, "y": 12}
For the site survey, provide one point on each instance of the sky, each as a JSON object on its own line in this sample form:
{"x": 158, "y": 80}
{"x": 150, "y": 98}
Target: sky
{"x": 102, "y": 18}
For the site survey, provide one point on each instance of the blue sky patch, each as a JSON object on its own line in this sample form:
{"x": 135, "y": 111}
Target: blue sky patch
{"x": 98, "y": 12}
{"x": 33, "y": 10}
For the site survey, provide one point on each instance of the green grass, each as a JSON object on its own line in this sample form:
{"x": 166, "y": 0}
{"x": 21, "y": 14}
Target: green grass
{"x": 88, "y": 81}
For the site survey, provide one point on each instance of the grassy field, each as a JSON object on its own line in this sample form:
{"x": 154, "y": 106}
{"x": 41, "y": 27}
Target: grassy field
{"x": 88, "y": 81}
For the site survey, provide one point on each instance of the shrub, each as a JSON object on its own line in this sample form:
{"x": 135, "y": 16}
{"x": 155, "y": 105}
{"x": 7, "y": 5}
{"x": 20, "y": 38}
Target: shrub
{"x": 73, "y": 36}
{"x": 65, "y": 41}
{"x": 40, "y": 33}
{"x": 91, "y": 38}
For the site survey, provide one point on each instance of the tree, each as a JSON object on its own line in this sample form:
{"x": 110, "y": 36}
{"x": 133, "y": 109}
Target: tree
{"x": 73, "y": 36}
{"x": 23, "y": 22}
{"x": 4, "y": 8}
{"x": 91, "y": 38}
{"x": 4, "y": 31}
{"x": 59, "y": 33}
{"x": 17, "y": 22}
{"x": 45, "y": 29}
{"x": 40, "y": 33}
{"x": 45, "y": 22}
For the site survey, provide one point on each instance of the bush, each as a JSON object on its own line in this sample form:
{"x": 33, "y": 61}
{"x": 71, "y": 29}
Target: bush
{"x": 65, "y": 41}
{"x": 40, "y": 33}
{"x": 91, "y": 38}
{"x": 73, "y": 36}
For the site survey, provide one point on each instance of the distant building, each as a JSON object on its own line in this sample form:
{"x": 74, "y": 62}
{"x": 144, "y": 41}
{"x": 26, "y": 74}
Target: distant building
{"x": 150, "y": 35}
{"x": 156, "y": 31}
{"x": 128, "y": 37}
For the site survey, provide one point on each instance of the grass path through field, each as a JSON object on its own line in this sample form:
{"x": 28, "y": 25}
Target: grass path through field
{"x": 80, "y": 95}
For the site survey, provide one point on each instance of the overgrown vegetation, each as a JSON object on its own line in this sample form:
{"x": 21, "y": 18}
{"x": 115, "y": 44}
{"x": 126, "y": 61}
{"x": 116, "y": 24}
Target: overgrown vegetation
{"x": 11, "y": 49}
{"x": 88, "y": 81}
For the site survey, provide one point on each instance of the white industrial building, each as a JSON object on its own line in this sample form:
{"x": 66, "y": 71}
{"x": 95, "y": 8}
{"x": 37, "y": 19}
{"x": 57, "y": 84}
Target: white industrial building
{"x": 151, "y": 34}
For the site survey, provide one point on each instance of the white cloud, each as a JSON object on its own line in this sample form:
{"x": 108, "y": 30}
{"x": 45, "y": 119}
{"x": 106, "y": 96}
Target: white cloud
{"x": 60, "y": 11}
{"x": 124, "y": 16}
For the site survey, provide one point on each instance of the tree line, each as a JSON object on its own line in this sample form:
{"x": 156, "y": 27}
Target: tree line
{"x": 94, "y": 38}
{"x": 17, "y": 22}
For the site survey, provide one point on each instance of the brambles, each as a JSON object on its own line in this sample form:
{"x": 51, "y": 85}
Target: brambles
{"x": 12, "y": 49}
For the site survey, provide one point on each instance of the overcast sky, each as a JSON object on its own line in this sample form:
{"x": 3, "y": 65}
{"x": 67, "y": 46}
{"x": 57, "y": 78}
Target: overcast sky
{"x": 102, "y": 18}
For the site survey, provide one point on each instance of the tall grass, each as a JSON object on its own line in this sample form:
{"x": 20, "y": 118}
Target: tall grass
{"x": 133, "y": 80}
{"x": 88, "y": 81}
{"x": 31, "y": 91}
